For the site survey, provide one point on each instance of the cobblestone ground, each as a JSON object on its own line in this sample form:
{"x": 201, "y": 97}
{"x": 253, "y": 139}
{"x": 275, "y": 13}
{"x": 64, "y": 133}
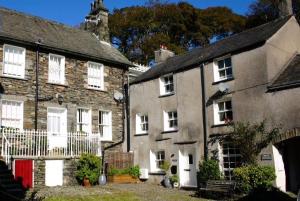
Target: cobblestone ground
{"x": 141, "y": 192}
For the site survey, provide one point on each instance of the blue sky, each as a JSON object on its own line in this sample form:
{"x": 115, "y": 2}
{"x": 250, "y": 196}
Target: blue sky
{"x": 72, "y": 12}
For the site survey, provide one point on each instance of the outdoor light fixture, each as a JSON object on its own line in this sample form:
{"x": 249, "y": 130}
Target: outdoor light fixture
{"x": 1, "y": 90}
{"x": 60, "y": 98}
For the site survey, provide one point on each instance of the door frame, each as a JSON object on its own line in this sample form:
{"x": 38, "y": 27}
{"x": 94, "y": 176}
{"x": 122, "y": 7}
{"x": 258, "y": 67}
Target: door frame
{"x": 184, "y": 152}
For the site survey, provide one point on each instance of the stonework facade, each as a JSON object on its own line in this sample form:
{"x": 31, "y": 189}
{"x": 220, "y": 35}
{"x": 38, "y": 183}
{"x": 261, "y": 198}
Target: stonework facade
{"x": 75, "y": 92}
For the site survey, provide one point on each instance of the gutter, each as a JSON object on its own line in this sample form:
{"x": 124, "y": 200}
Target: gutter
{"x": 283, "y": 87}
{"x": 204, "y": 113}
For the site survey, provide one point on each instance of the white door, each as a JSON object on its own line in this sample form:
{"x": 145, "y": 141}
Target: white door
{"x": 187, "y": 168}
{"x": 57, "y": 128}
{"x": 54, "y": 172}
{"x": 279, "y": 170}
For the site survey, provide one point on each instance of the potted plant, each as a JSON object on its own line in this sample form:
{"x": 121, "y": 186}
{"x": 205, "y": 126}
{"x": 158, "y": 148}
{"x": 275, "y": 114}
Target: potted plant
{"x": 123, "y": 176}
{"x": 174, "y": 181}
{"x": 166, "y": 181}
{"x": 88, "y": 169}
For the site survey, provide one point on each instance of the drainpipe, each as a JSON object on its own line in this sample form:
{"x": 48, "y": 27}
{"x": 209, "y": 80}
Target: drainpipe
{"x": 123, "y": 127}
{"x": 204, "y": 114}
{"x": 37, "y": 60}
{"x": 127, "y": 99}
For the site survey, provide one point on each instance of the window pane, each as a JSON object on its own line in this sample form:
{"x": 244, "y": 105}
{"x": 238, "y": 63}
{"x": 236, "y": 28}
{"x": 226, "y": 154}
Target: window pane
{"x": 229, "y": 72}
{"x": 222, "y": 73}
{"x": 228, "y": 105}
{"x": 228, "y": 62}
{"x": 221, "y": 106}
{"x": 221, "y": 64}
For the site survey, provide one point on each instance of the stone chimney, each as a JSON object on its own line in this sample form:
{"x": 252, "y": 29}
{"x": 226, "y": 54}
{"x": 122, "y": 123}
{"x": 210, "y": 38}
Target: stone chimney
{"x": 163, "y": 54}
{"x": 97, "y": 20}
{"x": 285, "y": 8}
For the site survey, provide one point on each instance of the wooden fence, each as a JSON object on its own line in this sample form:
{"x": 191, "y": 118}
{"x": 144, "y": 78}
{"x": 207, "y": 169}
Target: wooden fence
{"x": 119, "y": 160}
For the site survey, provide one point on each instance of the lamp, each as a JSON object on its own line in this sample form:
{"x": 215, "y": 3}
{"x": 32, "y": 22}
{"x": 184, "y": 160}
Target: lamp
{"x": 1, "y": 90}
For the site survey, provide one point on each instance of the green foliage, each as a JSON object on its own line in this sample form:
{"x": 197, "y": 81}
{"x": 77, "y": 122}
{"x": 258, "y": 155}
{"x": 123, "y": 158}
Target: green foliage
{"x": 263, "y": 11}
{"x": 88, "y": 166}
{"x": 139, "y": 30}
{"x": 253, "y": 177}
{"x": 165, "y": 166}
{"x": 250, "y": 139}
{"x": 174, "y": 178}
{"x": 133, "y": 171}
{"x": 209, "y": 170}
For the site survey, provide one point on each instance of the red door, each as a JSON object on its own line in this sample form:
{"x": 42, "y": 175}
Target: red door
{"x": 23, "y": 172}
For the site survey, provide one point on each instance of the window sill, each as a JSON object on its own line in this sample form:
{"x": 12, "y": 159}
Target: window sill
{"x": 158, "y": 173}
{"x": 166, "y": 95}
{"x": 95, "y": 89}
{"x": 13, "y": 77}
{"x": 171, "y": 131}
{"x": 57, "y": 84}
{"x": 140, "y": 134}
{"x": 219, "y": 125}
{"x": 225, "y": 80}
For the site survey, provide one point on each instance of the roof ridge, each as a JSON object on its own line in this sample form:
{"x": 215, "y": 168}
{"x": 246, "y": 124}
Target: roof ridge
{"x": 42, "y": 19}
{"x": 229, "y": 37}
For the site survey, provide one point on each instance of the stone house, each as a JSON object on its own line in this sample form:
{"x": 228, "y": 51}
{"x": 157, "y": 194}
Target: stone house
{"x": 177, "y": 106}
{"x": 60, "y": 80}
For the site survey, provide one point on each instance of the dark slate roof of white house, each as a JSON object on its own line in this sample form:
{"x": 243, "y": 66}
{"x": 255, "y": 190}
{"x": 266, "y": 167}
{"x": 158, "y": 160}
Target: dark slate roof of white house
{"x": 245, "y": 40}
{"x": 23, "y": 28}
{"x": 289, "y": 78}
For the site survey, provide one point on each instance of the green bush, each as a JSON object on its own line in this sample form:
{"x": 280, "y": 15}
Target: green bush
{"x": 174, "y": 178}
{"x": 133, "y": 171}
{"x": 253, "y": 177}
{"x": 88, "y": 166}
{"x": 209, "y": 170}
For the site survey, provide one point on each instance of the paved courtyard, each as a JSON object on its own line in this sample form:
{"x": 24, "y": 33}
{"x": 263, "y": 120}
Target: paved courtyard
{"x": 116, "y": 192}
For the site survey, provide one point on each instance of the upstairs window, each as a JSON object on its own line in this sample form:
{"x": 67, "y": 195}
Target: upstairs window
{"x": 12, "y": 114}
{"x": 95, "y": 75}
{"x": 223, "y": 112}
{"x": 84, "y": 120}
{"x": 14, "y": 61}
{"x": 166, "y": 85}
{"x": 105, "y": 125}
{"x": 141, "y": 124}
{"x": 56, "y": 69}
{"x": 170, "y": 121}
{"x": 223, "y": 69}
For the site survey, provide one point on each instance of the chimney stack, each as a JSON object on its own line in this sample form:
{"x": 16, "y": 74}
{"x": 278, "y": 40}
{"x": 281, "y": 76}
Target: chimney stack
{"x": 163, "y": 54}
{"x": 97, "y": 21}
{"x": 285, "y": 8}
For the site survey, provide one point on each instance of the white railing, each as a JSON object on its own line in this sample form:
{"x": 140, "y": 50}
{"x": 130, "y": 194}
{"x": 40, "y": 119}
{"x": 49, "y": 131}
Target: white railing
{"x": 31, "y": 144}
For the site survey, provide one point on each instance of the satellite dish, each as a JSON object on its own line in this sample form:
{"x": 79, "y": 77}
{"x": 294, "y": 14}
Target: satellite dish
{"x": 223, "y": 87}
{"x": 118, "y": 96}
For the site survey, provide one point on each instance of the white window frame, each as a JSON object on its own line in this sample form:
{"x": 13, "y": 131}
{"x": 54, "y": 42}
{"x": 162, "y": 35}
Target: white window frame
{"x": 108, "y": 135}
{"x": 217, "y": 111}
{"x": 167, "y": 120}
{"x": 87, "y": 123}
{"x": 21, "y": 65}
{"x": 142, "y": 121}
{"x": 99, "y": 78}
{"x": 159, "y": 159}
{"x": 235, "y": 155}
{"x": 154, "y": 161}
{"x": 163, "y": 85}
{"x": 217, "y": 70}
{"x": 62, "y": 67}
{"x": 21, "y": 119}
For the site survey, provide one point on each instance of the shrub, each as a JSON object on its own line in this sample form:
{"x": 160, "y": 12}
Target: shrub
{"x": 88, "y": 166}
{"x": 133, "y": 171}
{"x": 174, "y": 178}
{"x": 209, "y": 170}
{"x": 253, "y": 177}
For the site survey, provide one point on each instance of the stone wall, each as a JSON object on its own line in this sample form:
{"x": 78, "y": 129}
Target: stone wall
{"x": 75, "y": 91}
{"x": 39, "y": 173}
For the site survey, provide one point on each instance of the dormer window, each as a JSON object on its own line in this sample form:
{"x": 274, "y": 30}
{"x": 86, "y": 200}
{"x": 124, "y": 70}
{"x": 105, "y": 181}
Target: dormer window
{"x": 223, "y": 69}
{"x": 166, "y": 85}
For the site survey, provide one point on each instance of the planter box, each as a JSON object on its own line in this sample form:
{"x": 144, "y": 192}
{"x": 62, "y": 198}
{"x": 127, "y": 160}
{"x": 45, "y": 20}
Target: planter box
{"x": 122, "y": 179}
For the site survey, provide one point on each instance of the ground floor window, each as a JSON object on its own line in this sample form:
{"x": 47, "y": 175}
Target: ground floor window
{"x": 12, "y": 114}
{"x": 160, "y": 159}
{"x": 231, "y": 159}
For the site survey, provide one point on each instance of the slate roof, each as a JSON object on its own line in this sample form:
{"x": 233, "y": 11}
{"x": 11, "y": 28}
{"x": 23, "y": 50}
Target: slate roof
{"x": 21, "y": 27}
{"x": 289, "y": 78}
{"x": 248, "y": 39}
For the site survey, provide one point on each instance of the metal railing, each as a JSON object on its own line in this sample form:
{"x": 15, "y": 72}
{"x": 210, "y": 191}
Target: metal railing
{"x": 35, "y": 144}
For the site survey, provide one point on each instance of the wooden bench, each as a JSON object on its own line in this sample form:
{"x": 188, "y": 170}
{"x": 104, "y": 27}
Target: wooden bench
{"x": 219, "y": 186}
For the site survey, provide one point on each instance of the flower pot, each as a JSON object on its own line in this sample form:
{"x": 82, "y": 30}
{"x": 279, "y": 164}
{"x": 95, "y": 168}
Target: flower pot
{"x": 86, "y": 182}
{"x": 167, "y": 182}
{"x": 175, "y": 184}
